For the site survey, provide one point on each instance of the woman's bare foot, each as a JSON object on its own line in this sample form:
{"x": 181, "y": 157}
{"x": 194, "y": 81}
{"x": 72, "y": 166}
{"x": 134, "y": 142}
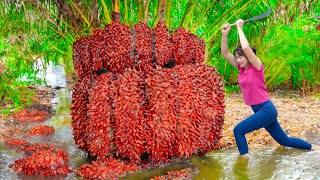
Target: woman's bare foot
{"x": 315, "y": 148}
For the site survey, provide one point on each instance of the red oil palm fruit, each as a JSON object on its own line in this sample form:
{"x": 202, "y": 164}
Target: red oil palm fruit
{"x": 163, "y": 45}
{"x": 130, "y": 121}
{"x": 79, "y": 109}
{"x": 98, "y": 130}
{"x": 142, "y": 46}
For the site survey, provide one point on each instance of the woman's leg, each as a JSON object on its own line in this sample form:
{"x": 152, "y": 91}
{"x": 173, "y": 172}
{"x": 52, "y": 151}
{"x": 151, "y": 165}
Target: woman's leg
{"x": 281, "y": 137}
{"x": 260, "y": 119}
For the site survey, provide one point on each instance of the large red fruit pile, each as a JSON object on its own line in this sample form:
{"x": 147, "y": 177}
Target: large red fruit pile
{"x": 147, "y": 94}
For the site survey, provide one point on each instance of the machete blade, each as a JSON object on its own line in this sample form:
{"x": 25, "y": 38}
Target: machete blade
{"x": 259, "y": 17}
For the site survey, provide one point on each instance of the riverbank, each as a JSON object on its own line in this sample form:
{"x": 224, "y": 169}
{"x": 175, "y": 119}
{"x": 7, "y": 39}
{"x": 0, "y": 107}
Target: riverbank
{"x": 298, "y": 115}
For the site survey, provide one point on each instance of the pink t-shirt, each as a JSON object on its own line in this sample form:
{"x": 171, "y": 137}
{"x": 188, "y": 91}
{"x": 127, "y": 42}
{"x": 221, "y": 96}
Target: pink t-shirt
{"x": 253, "y": 86}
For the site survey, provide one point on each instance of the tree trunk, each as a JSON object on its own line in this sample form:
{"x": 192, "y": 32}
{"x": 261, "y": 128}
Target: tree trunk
{"x": 66, "y": 12}
{"x": 94, "y": 16}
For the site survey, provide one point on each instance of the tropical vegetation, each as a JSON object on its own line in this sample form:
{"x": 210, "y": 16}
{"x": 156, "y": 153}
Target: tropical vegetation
{"x": 35, "y": 33}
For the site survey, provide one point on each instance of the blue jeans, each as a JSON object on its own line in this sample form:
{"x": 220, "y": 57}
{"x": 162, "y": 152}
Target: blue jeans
{"x": 265, "y": 116}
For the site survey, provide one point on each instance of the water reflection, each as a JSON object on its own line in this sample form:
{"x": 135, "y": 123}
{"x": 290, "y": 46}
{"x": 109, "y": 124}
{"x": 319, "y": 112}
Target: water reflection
{"x": 268, "y": 163}
{"x": 240, "y": 168}
{"x": 209, "y": 168}
{"x": 148, "y": 174}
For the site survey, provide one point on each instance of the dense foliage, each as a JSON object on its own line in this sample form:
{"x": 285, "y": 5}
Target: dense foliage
{"x": 287, "y": 41}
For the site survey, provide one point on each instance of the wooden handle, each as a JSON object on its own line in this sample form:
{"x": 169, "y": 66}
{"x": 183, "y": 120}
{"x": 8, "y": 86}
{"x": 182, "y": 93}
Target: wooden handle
{"x": 230, "y": 25}
{"x": 234, "y": 24}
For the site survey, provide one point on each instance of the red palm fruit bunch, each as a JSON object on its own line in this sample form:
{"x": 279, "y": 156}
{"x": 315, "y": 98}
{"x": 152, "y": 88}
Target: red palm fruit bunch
{"x": 142, "y": 46}
{"x": 31, "y": 115}
{"x": 17, "y": 143}
{"x": 163, "y": 45}
{"x": 98, "y": 49}
{"x": 118, "y": 39}
{"x": 41, "y": 130}
{"x": 182, "y": 46}
{"x": 86, "y": 62}
{"x": 129, "y": 125}
{"x": 187, "y": 118}
{"x": 214, "y": 108}
{"x": 198, "y": 49}
{"x": 82, "y": 60}
{"x": 187, "y": 48}
{"x": 200, "y": 107}
{"x": 48, "y": 162}
{"x": 98, "y": 130}
{"x": 162, "y": 113}
{"x": 186, "y": 112}
{"x": 80, "y": 99}
{"x": 106, "y": 168}
{"x": 30, "y": 148}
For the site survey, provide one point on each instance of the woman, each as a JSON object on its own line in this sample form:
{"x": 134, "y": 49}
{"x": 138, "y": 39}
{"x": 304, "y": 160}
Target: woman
{"x": 255, "y": 94}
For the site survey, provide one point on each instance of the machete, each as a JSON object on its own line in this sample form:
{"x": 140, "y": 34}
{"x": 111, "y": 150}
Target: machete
{"x": 255, "y": 18}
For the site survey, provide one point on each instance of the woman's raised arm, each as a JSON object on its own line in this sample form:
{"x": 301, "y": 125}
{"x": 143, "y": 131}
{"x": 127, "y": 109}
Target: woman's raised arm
{"x": 224, "y": 46}
{"x": 253, "y": 59}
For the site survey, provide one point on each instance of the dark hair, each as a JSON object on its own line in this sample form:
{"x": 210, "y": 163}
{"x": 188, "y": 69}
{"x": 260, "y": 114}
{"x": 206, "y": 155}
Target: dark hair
{"x": 240, "y": 51}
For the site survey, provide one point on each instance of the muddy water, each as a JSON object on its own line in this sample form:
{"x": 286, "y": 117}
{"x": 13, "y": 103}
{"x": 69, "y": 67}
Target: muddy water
{"x": 273, "y": 163}
{"x": 269, "y": 163}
